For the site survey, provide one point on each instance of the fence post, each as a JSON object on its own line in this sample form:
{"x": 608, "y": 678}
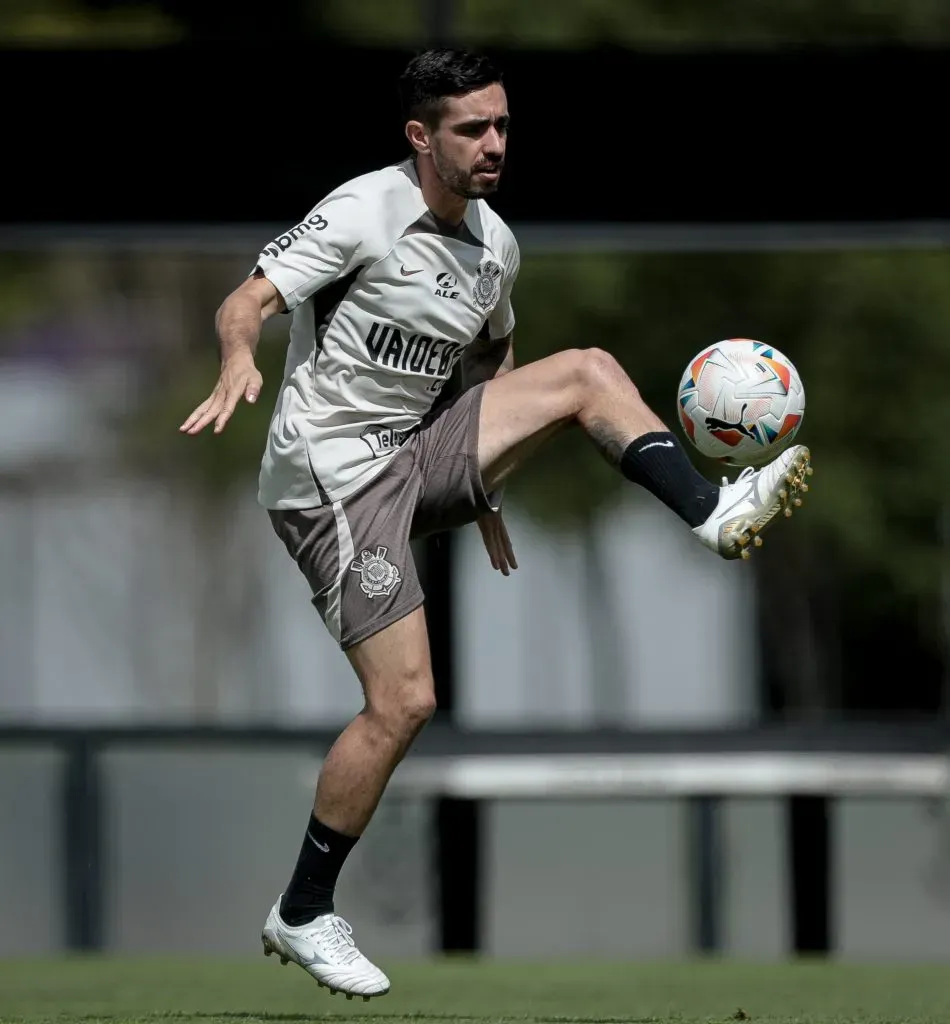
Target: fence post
{"x": 81, "y": 845}
{"x": 809, "y": 868}
{"x": 706, "y": 857}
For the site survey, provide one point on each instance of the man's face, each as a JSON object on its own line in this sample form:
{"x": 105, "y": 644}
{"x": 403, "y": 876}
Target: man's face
{"x": 468, "y": 147}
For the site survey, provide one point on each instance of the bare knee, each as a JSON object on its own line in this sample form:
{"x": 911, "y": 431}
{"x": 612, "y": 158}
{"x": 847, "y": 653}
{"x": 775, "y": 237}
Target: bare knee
{"x": 600, "y": 369}
{"x": 592, "y": 371}
{"x": 418, "y": 706}
{"x": 401, "y": 707}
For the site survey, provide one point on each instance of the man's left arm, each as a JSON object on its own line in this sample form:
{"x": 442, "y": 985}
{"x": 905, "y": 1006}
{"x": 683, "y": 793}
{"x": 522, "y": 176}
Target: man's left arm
{"x": 483, "y": 360}
{"x": 489, "y": 356}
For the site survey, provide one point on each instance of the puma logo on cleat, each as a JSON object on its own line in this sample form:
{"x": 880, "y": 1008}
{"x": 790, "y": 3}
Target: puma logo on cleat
{"x": 716, "y": 424}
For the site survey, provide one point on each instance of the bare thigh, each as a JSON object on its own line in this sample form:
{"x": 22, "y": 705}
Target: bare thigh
{"x": 395, "y": 669}
{"x": 521, "y": 410}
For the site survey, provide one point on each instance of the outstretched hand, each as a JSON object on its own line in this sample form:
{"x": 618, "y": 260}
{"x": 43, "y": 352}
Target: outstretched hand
{"x": 497, "y": 542}
{"x": 239, "y": 379}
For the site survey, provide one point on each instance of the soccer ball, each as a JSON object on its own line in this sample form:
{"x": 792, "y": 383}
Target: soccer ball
{"x": 741, "y": 402}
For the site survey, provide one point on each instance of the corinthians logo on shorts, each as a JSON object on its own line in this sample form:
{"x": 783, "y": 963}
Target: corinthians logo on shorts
{"x": 487, "y": 284}
{"x": 377, "y": 576}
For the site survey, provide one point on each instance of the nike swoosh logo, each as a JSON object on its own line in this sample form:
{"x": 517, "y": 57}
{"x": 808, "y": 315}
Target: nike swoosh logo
{"x": 657, "y": 444}
{"x": 320, "y": 846}
{"x": 304, "y": 957}
{"x": 409, "y": 273}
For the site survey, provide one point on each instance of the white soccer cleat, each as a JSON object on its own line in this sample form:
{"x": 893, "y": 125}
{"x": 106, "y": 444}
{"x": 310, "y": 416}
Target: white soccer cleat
{"x": 325, "y": 949}
{"x": 749, "y": 504}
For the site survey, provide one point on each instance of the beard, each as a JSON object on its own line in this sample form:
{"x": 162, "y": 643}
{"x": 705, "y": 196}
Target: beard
{"x": 462, "y": 182}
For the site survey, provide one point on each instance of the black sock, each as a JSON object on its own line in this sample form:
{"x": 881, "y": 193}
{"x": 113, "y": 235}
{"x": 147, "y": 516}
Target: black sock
{"x": 658, "y": 462}
{"x": 310, "y": 892}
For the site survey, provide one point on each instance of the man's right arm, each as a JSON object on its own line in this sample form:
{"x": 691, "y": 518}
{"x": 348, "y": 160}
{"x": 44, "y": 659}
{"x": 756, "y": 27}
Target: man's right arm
{"x": 320, "y": 249}
{"x": 238, "y": 325}
{"x": 240, "y": 317}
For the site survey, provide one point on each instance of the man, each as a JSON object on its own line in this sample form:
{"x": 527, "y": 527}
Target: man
{"x": 394, "y": 278}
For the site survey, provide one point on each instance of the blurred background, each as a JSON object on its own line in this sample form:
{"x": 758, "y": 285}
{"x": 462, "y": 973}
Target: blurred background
{"x": 678, "y": 173}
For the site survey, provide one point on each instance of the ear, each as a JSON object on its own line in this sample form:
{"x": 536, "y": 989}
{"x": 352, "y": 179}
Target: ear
{"x": 418, "y": 136}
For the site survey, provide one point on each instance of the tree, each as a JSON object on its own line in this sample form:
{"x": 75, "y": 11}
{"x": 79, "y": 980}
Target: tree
{"x": 649, "y": 24}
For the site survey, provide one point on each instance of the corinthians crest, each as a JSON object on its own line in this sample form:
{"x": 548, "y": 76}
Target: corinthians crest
{"x": 487, "y": 284}
{"x": 377, "y": 576}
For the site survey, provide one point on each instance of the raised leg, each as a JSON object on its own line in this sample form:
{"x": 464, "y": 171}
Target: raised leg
{"x": 589, "y": 389}
{"x": 586, "y": 387}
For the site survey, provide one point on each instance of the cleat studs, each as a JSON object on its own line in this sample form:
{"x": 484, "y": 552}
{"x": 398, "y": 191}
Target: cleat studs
{"x": 788, "y": 513}
{"x": 809, "y": 471}
{"x": 745, "y": 553}
{"x": 284, "y": 961}
{"x": 783, "y": 494}
{"x": 804, "y": 488}
{"x": 365, "y": 999}
{"x": 797, "y": 503}
{"x": 349, "y": 995}
{"x": 758, "y": 541}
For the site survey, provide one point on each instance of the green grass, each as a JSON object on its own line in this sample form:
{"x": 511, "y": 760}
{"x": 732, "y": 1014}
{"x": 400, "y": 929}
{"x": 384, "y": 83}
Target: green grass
{"x": 205, "y": 991}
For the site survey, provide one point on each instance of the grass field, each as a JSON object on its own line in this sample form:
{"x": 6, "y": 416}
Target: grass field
{"x": 205, "y": 991}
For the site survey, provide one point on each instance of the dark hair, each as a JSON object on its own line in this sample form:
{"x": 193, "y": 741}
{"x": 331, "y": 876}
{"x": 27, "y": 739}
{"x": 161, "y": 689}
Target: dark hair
{"x": 432, "y": 76}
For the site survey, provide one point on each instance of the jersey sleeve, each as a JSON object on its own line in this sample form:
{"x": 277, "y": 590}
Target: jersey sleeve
{"x": 323, "y": 247}
{"x": 501, "y": 320}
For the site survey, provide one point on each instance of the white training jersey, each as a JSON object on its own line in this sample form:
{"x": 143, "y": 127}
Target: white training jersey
{"x": 385, "y": 298}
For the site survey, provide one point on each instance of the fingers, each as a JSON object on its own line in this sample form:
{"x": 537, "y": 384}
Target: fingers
{"x": 203, "y": 415}
{"x": 246, "y": 386}
{"x": 499, "y": 561}
{"x": 227, "y": 409}
{"x": 502, "y": 555}
{"x": 253, "y": 387}
{"x": 491, "y": 548}
{"x": 508, "y": 550}
{"x": 220, "y": 406}
{"x": 487, "y": 529}
{"x": 495, "y": 560}
{"x": 497, "y": 543}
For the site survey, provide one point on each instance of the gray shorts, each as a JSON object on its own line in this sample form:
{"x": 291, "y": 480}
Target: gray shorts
{"x": 355, "y": 553}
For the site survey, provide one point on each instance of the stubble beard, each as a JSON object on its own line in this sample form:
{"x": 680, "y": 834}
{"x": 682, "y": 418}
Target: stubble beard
{"x": 461, "y": 182}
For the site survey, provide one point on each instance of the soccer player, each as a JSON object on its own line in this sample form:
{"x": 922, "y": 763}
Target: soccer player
{"x": 394, "y": 278}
